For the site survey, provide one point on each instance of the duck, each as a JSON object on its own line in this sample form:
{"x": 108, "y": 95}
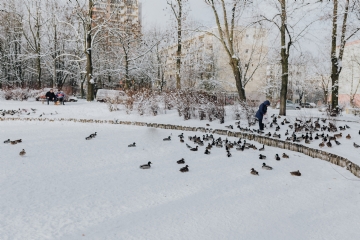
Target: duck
{"x": 7, "y": 141}
{"x": 207, "y": 152}
{"x": 240, "y": 148}
{"x": 182, "y": 140}
{"x": 93, "y": 135}
{"x": 296, "y": 173}
{"x": 322, "y": 144}
{"x": 146, "y": 166}
{"x": 167, "y": 139}
{"x": 184, "y": 169}
{"x": 18, "y": 141}
{"x": 338, "y": 135}
{"x": 132, "y": 145}
{"x": 307, "y": 141}
{"x": 22, "y": 153}
{"x": 194, "y": 149}
{"x": 262, "y": 156}
{"x": 88, "y": 138}
{"x": 262, "y": 149}
{"x": 277, "y": 158}
{"x": 181, "y": 135}
{"x": 285, "y": 155}
{"x": 254, "y": 172}
{"x": 287, "y": 132}
{"x": 276, "y": 135}
{"x": 348, "y": 136}
{"x": 356, "y": 145}
{"x": 181, "y": 161}
{"x": 268, "y": 135}
{"x": 188, "y": 146}
{"x": 264, "y": 166}
{"x": 337, "y": 142}
{"x": 13, "y": 142}
{"x": 228, "y": 154}
{"x": 329, "y": 144}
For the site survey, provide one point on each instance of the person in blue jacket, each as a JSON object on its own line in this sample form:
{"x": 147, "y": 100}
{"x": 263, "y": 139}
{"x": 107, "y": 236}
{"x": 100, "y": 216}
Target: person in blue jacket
{"x": 261, "y": 112}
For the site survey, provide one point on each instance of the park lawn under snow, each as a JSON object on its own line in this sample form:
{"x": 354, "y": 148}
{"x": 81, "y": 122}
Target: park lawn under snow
{"x": 68, "y": 188}
{"x": 94, "y": 110}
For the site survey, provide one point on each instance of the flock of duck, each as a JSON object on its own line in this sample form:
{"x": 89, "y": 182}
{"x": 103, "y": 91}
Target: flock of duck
{"x": 23, "y": 111}
{"x": 219, "y": 143}
{"x": 303, "y": 130}
{"x": 22, "y": 152}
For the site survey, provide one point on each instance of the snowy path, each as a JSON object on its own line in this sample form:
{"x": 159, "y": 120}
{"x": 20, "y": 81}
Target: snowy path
{"x": 66, "y": 187}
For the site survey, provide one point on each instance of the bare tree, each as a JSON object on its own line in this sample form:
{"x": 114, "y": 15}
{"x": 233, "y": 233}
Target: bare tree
{"x": 226, "y": 30}
{"x": 177, "y": 8}
{"x": 336, "y": 56}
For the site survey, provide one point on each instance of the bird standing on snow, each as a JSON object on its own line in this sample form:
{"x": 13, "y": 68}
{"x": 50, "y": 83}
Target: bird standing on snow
{"x": 146, "y": 166}
{"x": 194, "y": 149}
{"x": 285, "y": 155}
{"x": 22, "y": 153}
{"x": 297, "y": 173}
{"x": 264, "y": 166}
{"x": 167, "y": 139}
{"x": 262, "y": 156}
{"x": 184, "y": 169}
{"x": 277, "y": 157}
{"x": 254, "y": 172}
{"x": 181, "y": 161}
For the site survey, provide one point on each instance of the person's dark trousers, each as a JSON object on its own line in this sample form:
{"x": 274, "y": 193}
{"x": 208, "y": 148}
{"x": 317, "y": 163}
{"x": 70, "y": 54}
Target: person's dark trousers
{"x": 62, "y": 101}
{"x": 48, "y": 100}
{"x": 261, "y": 125}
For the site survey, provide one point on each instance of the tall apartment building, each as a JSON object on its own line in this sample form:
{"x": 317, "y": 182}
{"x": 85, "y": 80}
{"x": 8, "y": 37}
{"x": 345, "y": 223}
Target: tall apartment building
{"x": 205, "y": 54}
{"x": 117, "y": 12}
{"x": 349, "y": 80}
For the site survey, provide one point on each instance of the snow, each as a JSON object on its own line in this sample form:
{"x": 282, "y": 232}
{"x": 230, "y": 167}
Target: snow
{"x": 68, "y": 188}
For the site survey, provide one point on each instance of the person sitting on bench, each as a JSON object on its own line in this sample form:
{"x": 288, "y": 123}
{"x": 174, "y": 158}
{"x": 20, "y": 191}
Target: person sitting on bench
{"x": 60, "y": 97}
{"x": 50, "y": 96}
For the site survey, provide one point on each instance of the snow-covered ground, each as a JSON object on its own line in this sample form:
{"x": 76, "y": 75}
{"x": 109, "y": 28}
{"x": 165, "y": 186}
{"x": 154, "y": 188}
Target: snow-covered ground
{"x": 86, "y": 110}
{"x": 68, "y": 188}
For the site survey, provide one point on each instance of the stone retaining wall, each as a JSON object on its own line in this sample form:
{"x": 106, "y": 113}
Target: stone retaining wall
{"x": 315, "y": 153}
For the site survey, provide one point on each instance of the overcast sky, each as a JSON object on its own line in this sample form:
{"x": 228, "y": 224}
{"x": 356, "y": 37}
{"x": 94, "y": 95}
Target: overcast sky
{"x": 155, "y": 12}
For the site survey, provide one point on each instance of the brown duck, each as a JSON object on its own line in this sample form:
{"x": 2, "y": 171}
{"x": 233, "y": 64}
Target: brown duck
{"x": 297, "y": 173}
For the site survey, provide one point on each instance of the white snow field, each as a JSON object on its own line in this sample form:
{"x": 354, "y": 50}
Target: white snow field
{"x": 66, "y": 187}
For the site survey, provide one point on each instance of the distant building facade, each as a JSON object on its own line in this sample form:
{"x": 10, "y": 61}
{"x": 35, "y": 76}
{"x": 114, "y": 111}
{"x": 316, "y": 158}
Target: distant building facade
{"x": 349, "y": 80}
{"x": 205, "y": 52}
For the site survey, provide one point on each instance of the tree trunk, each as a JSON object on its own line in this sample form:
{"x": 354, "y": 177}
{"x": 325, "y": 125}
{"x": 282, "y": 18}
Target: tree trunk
{"x": 179, "y": 46}
{"x": 334, "y": 60}
{"x": 237, "y": 74}
{"x": 284, "y": 60}
{"x": 88, "y": 51}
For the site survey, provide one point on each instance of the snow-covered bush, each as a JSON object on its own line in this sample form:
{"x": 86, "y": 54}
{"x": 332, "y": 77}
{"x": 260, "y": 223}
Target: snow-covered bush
{"x": 19, "y": 94}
